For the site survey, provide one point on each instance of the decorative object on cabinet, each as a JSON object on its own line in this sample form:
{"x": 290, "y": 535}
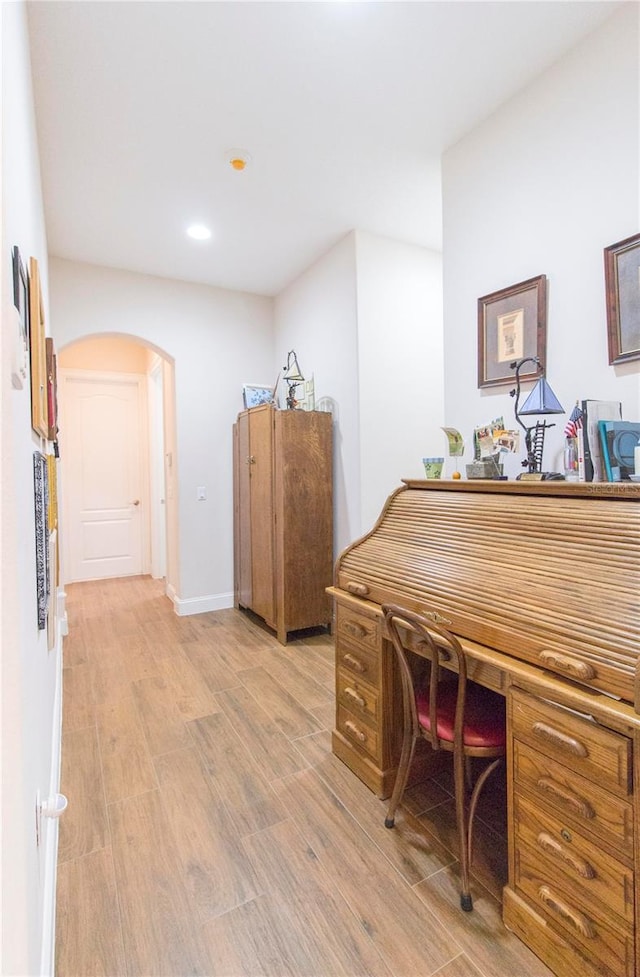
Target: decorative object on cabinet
{"x": 541, "y": 400}
{"x": 293, "y": 376}
{"x": 254, "y": 394}
{"x": 307, "y": 399}
{"x": 452, "y": 715}
{"x": 283, "y": 518}
{"x": 512, "y": 325}
{"x": 622, "y": 280}
{"x": 39, "y": 418}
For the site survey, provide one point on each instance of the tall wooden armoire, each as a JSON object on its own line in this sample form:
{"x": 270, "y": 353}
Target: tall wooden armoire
{"x": 283, "y": 516}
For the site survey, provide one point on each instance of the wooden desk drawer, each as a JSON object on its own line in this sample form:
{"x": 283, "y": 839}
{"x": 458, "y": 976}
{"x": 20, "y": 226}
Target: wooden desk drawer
{"x": 358, "y": 698}
{"x": 592, "y": 751}
{"x": 357, "y": 627}
{"x": 359, "y": 733}
{"x": 359, "y": 661}
{"x": 611, "y": 946}
{"x": 594, "y": 879}
{"x": 606, "y": 817}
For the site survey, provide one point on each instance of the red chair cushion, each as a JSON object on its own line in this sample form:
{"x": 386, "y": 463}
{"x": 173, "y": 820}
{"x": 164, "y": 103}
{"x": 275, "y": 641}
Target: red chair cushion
{"x": 485, "y": 721}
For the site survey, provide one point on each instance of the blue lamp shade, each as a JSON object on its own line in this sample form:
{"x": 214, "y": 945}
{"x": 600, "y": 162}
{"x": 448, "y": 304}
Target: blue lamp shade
{"x": 541, "y": 400}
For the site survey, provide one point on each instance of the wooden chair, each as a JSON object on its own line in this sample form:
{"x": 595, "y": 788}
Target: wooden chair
{"x": 470, "y": 720}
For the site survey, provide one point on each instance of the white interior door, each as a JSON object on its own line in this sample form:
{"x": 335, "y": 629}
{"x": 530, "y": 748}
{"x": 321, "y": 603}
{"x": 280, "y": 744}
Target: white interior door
{"x": 103, "y": 474}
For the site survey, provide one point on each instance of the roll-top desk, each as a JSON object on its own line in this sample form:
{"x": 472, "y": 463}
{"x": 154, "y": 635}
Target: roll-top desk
{"x": 541, "y": 582}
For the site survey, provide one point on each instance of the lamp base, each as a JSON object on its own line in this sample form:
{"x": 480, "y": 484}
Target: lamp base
{"x": 540, "y": 477}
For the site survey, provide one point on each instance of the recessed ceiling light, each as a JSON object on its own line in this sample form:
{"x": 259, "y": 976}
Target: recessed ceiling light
{"x": 199, "y": 232}
{"x": 238, "y": 159}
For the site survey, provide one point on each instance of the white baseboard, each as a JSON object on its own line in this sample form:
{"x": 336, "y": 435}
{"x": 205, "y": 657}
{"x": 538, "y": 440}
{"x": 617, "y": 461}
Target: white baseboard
{"x": 199, "y": 605}
{"x": 49, "y": 830}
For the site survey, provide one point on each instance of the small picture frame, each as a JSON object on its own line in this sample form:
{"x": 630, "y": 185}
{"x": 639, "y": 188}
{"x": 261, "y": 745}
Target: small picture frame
{"x": 512, "y": 325}
{"x": 622, "y": 282}
{"x": 255, "y": 394}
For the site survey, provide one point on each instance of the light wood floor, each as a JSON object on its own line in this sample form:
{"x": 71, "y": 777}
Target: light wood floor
{"x": 210, "y": 831}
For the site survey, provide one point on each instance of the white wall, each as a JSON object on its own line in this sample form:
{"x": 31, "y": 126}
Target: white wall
{"x": 400, "y": 357}
{"x": 30, "y": 673}
{"x": 218, "y": 340}
{"x": 542, "y": 187}
{"x": 316, "y": 316}
{"x": 366, "y": 320}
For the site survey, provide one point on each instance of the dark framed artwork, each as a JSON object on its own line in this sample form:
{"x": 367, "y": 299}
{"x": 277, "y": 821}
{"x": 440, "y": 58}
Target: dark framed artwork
{"x": 622, "y": 281}
{"x": 52, "y": 390}
{"x": 512, "y": 325}
{"x": 20, "y": 325}
{"x": 41, "y": 506}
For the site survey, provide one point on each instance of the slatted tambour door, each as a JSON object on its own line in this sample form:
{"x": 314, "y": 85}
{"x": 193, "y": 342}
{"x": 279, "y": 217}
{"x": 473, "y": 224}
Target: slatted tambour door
{"x": 547, "y": 574}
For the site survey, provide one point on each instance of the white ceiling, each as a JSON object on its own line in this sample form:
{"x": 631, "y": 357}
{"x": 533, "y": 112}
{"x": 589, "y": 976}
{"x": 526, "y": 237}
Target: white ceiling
{"x": 345, "y": 109}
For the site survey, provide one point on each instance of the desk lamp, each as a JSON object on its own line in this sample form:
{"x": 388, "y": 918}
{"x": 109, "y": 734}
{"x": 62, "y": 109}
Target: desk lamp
{"x": 541, "y": 400}
{"x": 293, "y": 375}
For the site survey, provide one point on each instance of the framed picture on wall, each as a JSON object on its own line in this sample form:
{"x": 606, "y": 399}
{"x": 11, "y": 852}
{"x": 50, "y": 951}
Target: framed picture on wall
{"x": 622, "y": 280}
{"x": 39, "y": 410}
{"x": 512, "y": 325}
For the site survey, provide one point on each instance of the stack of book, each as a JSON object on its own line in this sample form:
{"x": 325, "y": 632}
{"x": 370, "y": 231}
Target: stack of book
{"x": 606, "y": 443}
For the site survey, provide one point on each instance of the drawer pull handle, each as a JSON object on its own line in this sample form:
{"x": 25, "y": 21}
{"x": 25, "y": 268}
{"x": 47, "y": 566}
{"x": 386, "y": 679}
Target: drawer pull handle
{"x": 353, "y": 695}
{"x": 360, "y": 589}
{"x": 578, "y": 920}
{"x": 566, "y": 743}
{"x": 353, "y": 729}
{"x": 354, "y": 663}
{"x": 562, "y": 663}
{"x": 577, "y": 804}
{"x": 553, "y": 847}
{"x": 357, "y": 630}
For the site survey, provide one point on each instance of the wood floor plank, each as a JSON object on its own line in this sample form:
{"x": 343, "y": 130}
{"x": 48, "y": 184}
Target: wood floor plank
{"x": 185, "y": 685}
{"x": 286, "y": 712}
{"x": 140, "y": 661}
{"x": 83, "y": 829}
{"x": 483, "y": 937}
{"x": 218, "y": 875}
{"x": 270, "y": 748}
{"x": 259, "y": 939}
{"x": 211, "y": 669}
{"x": 159, "y": 934}
{"x": 336, "y": 942}
{"x": 78, "y": 706}
{"x": 74, "y": 651}
{"x": 236, "y": 775}
{"x": 162, "y": 720}
{"x": 110, "y": 683}
{"x": 88, "y": 931}
{"x": 414, "y": 851}
{"x": 293, "y": 672}
{"x": 460, "y": 967}
{"x": 126, "y": 760}
{"x": 408, "y": 936}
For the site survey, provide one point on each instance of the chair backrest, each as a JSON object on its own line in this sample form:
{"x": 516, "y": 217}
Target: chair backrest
{"x": 436, "y": 645}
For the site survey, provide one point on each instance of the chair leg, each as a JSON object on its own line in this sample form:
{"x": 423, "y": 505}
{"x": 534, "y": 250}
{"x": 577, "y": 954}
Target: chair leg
{"x": 406, "y": 756}
{"x": 459, "y": 773}
{"x": 475, "y": 795}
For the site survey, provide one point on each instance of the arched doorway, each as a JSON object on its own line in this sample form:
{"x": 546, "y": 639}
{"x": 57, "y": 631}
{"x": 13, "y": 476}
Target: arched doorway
{"x": 116, "y": 466}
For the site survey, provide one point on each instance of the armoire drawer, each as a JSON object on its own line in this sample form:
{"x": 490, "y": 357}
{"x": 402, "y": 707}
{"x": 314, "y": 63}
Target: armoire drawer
{"x": 555, "y": 787}
{"x": 598, "y": 754}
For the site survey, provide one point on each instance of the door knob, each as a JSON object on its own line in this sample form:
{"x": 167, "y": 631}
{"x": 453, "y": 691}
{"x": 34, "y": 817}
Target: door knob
{"x": 136, "y": 502}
